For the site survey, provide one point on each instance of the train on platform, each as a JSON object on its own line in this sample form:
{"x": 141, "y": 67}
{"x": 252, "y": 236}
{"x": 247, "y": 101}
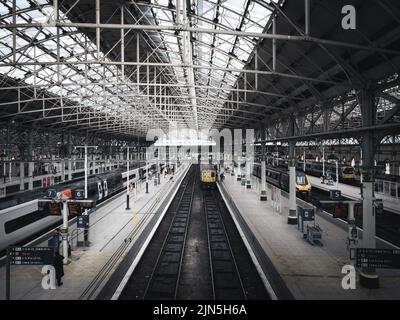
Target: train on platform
{"x": 27, "y": 216}
{"x": 208, "y": 176}
{"x": 346, "y": 172}
{"x": 279, "y": 177}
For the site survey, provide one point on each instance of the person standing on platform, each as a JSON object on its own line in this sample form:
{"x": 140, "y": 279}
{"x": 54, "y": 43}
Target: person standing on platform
{"x": 59, "y": 267}
{"x": 55, "y": 241}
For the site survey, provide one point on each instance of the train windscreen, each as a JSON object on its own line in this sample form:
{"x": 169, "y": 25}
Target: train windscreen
{"x": 301, "y": 180}
{"x": 348, "y": 170}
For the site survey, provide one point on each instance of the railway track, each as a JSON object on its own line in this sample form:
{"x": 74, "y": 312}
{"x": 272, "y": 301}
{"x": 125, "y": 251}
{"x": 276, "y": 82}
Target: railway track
{"x": 164, "y": 280}
{"x": 226, "y": 280}
{"x": 196, "y": 253}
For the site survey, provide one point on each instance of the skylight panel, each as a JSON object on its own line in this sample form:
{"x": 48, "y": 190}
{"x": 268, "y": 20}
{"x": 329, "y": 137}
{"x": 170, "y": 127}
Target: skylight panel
{"x": 22, "y": 4}
{"x": 5, "y": 50}
{"x": 3, "y": 9}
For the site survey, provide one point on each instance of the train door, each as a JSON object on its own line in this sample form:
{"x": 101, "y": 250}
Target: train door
{"x": 100, "y": 190}
{"x": 105, "y": 188}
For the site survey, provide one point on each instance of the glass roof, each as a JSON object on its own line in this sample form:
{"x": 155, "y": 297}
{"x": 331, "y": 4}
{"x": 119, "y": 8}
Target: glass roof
{"x": 212, "y": 55}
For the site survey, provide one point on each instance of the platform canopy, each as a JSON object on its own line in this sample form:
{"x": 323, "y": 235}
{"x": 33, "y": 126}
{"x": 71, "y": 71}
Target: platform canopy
{"x": 121, "y": 67}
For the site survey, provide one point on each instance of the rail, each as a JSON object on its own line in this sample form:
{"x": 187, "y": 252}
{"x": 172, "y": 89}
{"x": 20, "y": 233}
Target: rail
{"x": 225, "y": 276}
{"x": 278, "y": 288}
{"x": 173, "y": 246}
{"x": 122, "y": 258}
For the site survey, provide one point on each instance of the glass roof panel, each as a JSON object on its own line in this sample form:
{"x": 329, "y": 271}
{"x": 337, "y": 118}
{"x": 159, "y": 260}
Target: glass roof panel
{"x": 225, "y": 15}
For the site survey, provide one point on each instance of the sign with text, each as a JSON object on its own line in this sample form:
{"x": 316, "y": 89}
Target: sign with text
{"x": 378, "y": 258}
{"x": 31, "y": 256}
{"x": 50, "y": 194}
{"x": 82, "y": 222}
{"x": 307, "y": 214}
{"x": 79, "y": 194}
{"x": 74, "y": 209}
{"x": 335, "y": 194}
{"x": 55, "y": 208}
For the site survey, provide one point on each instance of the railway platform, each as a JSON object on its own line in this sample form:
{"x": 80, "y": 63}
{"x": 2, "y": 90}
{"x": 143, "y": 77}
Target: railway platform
{"x": 114, "y": 230}
{"x": 391, "y": 204}
{"x": 309, "y": 271}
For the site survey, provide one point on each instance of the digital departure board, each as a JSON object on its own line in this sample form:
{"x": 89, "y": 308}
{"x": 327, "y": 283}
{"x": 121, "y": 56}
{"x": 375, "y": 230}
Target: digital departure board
{"x": 378, "y": 258}
{"x": 31, "y": 255}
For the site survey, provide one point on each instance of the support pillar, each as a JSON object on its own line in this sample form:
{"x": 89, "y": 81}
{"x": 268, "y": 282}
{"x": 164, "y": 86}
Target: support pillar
{"x": 31, "y": 164}
{"x": 248, "y": 174}
{"x": 263, "y": 195}
{"x": 69, "y": 169}
{"x": 63, "y": 170}
{"x": 69, "y": 153}
{"x": 368, "y": 277}
{"x": 64, "y": 232}
{"x": 292, "y": 217}
{"x": 31, "y": 167}
{"x": 21, "y": 176}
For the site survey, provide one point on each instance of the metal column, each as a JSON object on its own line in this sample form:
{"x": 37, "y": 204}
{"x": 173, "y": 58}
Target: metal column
{"x": 63, "y": 170}
{"x": 263, "y": 194}
{"x": 292, "y": 217}
{"x": 127, "y": 178}
{"x": 21, "y": 175}
{"x": 31, "y": 166}
{"x": 249, "y": 155}
{"x": 64, "y": 231}
{"x": 368, "y": 277}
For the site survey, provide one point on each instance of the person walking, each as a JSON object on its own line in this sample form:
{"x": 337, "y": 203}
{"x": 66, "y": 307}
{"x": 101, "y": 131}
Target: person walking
{"x": 59, "y": 267}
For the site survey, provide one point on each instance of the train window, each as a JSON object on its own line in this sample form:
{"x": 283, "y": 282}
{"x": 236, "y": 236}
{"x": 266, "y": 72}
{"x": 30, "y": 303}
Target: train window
{"x": 348, "y": 170}
{"x": 21, "y": 222}
{"x": 301, "y": 180}
{"x": 393, "y": 188}
{"x": 212, "y": 174}
{"x": 105, "y": 188}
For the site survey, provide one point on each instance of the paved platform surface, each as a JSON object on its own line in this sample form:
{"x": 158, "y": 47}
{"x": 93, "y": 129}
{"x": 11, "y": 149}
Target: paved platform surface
{"x": 85, "y": 275}
{"x": 310, "y": 272}
{"x": 354, "y": 193}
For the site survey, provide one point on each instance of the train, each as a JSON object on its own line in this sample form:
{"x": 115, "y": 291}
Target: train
{"x": 346, "y": 172}
{"x": 21, "y": 221}
{"x": 279, "y": 177}
{"x": 208, "y": 176}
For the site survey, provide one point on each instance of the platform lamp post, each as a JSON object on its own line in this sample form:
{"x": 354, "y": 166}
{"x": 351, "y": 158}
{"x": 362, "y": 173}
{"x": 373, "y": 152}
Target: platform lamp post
{"x": 3, "y": 157}
{"x": 323, "y": 160}
{"x": 85, "y": 147}
{"x": 147, "y": 172}
{"x": 127, "y": 178}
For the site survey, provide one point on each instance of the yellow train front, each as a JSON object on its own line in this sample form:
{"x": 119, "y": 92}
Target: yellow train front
{"x": 347, "y": 173}
{"x": 303, "y": 186}
{"x": 208, "y": 176}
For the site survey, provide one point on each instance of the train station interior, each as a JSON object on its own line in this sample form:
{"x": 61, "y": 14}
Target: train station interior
{"x": 216, "y": 150}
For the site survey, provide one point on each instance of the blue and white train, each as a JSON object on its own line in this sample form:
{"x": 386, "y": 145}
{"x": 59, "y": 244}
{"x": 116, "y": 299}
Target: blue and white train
{"x": 21, "y": 216}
